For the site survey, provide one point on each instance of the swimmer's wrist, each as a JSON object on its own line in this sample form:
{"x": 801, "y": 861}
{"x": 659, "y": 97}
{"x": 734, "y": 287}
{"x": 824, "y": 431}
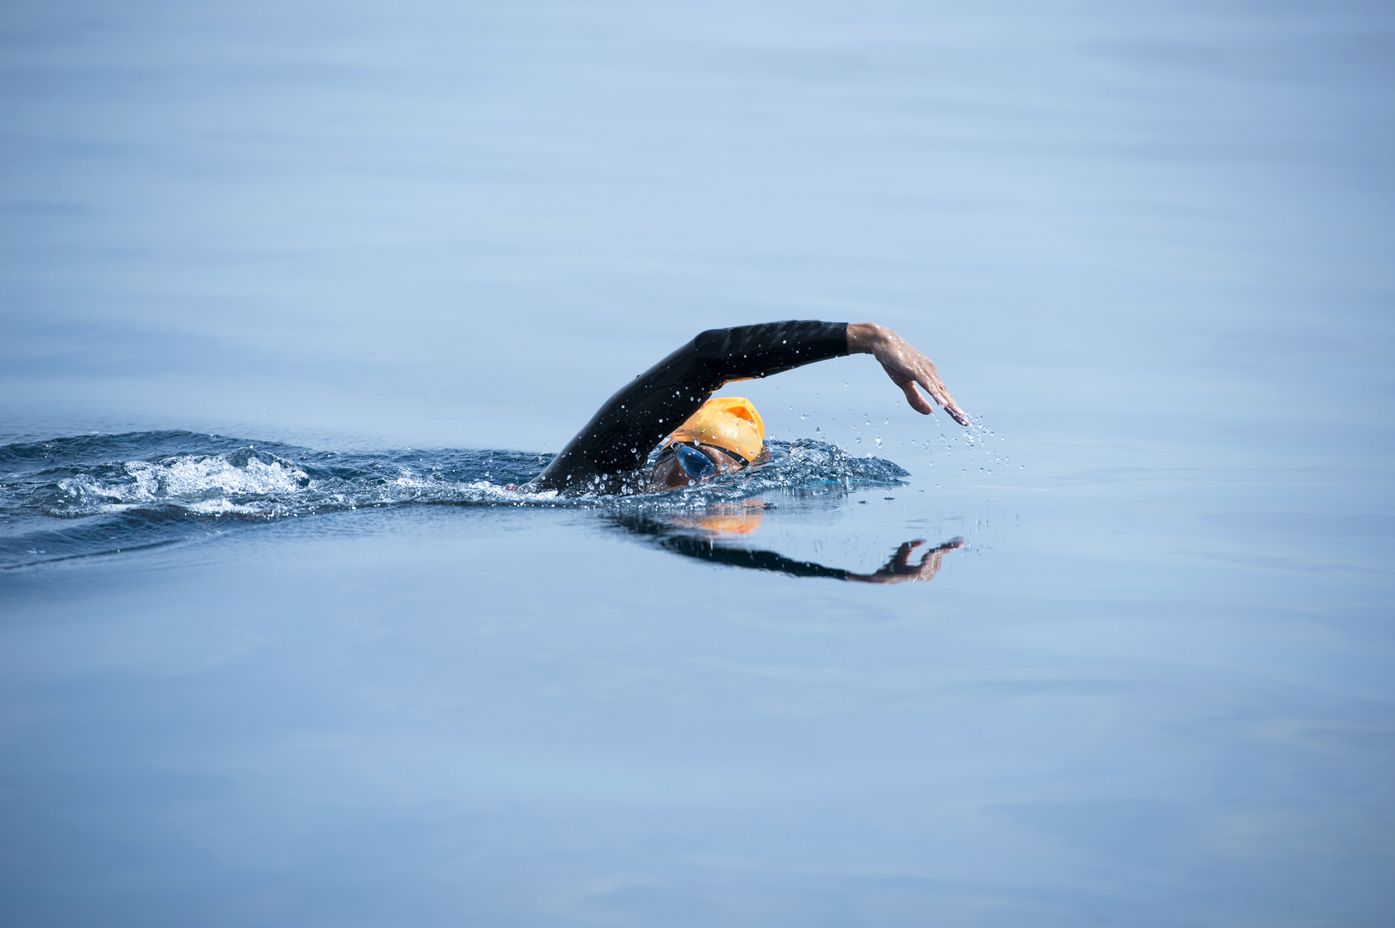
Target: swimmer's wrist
{"x": 864, "y": 337}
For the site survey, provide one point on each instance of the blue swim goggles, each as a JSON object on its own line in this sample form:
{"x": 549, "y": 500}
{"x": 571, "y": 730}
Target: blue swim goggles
{"x": 694, "y": 463}
{"x": 697, "y": 464}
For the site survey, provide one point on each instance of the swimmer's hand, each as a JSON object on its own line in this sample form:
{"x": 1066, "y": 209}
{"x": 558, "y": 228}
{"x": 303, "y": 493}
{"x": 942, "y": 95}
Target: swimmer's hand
{"x": 905, "y": 366}
{"x": 900, "y": 568}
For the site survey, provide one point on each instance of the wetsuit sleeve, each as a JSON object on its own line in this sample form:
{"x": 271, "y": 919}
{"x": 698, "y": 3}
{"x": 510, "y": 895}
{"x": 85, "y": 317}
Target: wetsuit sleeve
{"x": 619, "y": 437}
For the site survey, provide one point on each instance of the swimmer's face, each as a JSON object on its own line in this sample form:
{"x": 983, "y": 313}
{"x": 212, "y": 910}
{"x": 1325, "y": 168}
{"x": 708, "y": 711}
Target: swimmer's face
{"x": 670, "y": 474}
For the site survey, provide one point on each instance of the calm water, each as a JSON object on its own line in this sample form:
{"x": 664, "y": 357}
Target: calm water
{"x": 277, "y": 649}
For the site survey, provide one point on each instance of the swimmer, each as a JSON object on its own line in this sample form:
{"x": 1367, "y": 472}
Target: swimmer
{"x": 708, "y": 437}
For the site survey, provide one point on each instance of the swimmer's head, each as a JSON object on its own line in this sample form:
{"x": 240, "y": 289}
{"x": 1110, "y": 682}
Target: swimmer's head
{"x": 725, "y": 435}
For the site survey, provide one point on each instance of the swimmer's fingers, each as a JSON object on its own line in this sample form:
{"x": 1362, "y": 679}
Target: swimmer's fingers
{"x": 919, "y": 403}
{"x": 908, "y": 368}
{"x": 938, "y": 392}
{"x": 929, "y": 377}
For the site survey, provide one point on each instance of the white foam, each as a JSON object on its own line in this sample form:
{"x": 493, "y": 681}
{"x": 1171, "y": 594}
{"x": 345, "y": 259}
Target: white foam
{"x": 200, "y": 482}
{"x": 191, "y": 475}
{"x": 218, "y": 507}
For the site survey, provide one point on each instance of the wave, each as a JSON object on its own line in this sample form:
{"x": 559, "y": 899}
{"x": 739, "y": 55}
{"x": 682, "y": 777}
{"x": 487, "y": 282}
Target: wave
{"x": 79, "y": 496}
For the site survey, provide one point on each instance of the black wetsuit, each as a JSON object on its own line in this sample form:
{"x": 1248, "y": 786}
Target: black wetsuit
{"x": 618, "y": 439}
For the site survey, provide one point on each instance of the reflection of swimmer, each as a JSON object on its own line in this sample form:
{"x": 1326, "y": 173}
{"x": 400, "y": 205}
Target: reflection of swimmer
{"x": 669, "y": 534}
{"x": 709, "y": 437}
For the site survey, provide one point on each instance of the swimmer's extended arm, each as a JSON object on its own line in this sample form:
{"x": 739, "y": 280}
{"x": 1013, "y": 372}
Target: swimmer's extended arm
{"x": 621, "y": 434}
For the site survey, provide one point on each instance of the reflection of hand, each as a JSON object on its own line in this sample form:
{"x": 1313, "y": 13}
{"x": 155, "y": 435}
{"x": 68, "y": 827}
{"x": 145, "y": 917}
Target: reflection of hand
{"x": 900, "y": 568}
{"x": 906, "y": 367}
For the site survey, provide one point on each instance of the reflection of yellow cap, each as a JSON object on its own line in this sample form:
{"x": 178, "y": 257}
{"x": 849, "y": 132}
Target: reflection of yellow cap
{"x": 739, "y": 518}
{"x": 730, "y": 423}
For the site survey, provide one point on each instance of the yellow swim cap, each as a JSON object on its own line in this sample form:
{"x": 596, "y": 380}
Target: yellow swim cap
{"x": 729, "y": 423}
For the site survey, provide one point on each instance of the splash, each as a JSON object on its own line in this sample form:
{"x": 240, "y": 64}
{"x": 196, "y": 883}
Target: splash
{"x": 203, "y": 483}
{"x": 97, "y": 494}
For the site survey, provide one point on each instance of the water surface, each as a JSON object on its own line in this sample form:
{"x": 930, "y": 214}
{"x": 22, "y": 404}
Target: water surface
{"x": 289, "y": 291}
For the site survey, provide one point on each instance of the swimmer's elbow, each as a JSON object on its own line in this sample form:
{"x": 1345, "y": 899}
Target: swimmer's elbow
{"x": 709, "y": 340}
{"x": 728, "y": 343}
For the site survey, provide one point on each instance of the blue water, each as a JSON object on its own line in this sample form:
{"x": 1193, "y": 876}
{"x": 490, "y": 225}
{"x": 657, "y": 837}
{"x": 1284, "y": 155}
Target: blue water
{"x": 279, "y": 646}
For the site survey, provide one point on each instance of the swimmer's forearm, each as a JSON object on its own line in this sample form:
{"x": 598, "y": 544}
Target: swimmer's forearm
{"x": 767, "y": 348}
